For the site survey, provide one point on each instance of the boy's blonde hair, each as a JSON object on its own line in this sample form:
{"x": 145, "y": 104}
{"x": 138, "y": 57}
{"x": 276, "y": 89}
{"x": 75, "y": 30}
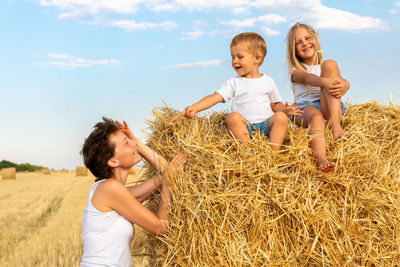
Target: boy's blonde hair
{"x": 254, "y": 42}
{"x": 294, "y": 61}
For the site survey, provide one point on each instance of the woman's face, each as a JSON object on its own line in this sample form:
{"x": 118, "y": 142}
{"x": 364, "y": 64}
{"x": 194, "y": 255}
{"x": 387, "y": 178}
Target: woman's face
{"x": 125, "y": 150}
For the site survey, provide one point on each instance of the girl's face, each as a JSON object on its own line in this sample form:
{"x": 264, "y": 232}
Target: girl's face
{"x": 305, "y": 47}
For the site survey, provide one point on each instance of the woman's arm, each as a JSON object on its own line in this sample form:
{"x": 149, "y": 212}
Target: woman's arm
{"x": 118, "y": 198}
{"x": 155, "y": 160}
{"x": 146, "y": 189}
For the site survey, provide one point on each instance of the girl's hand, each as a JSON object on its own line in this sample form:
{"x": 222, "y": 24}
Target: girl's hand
{"x": 189, "y": 111}
{"x": 125, "y": 130}
{"x": 339, "y": 88}
{"x": 293, "y": 110}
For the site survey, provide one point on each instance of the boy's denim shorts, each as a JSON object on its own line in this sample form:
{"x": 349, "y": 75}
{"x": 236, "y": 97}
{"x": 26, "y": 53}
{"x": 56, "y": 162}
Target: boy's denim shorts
{"x": 263, "y": 127}
{"x": 317, "y": 104}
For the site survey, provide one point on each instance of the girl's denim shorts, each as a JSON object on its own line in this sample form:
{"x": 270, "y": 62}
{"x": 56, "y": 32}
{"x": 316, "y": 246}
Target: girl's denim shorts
{"x": 317, "y": 104}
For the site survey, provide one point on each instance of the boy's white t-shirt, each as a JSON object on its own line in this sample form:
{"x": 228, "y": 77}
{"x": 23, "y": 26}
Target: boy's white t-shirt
{"x": 251, "y": 97}
{"x": 300, "y": 90}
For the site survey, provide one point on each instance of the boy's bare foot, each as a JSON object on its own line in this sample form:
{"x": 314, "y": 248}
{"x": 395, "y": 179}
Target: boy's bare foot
{"x": 326, "y": 166}
{"x": 337, "y": 133}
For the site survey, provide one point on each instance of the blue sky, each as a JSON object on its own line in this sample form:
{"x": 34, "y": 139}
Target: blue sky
{"x": 66, "y": 63}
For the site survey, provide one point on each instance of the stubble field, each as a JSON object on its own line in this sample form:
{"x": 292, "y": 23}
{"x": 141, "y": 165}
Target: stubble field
{"x": 41, "y": 220}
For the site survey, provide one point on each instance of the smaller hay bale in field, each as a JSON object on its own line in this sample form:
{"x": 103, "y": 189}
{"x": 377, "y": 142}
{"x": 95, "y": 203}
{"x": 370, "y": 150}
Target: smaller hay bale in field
{"x": 9, "y": 173}
{"x": 46, "y": 171}
{"x": 81, "y": 171}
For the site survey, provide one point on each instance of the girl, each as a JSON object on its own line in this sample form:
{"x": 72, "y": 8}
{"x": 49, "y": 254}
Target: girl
{"x": 318, "y": 88}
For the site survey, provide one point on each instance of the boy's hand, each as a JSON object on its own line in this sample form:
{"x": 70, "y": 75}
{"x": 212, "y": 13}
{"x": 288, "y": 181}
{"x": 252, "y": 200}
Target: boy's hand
{"x": 189, "y": 111}
{"x": 125, "y": 130}
{"x": 293, "y": 110}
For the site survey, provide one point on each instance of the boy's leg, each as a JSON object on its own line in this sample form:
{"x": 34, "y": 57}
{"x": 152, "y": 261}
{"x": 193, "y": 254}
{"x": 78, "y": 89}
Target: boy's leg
{"x": 331, "y": 106}
{"x": 278, "y": 127}
{"x": 237, "y": 124}
{"x": 313, "y": 117}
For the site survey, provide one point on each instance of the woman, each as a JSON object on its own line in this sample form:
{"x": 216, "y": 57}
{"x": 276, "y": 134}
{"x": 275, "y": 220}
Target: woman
{"x": 112, "y": 209}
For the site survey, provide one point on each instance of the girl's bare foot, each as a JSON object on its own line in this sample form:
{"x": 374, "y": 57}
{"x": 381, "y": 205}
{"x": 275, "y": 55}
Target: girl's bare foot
{"x": 326, "y": 166}
{"x": 337, "y": 133}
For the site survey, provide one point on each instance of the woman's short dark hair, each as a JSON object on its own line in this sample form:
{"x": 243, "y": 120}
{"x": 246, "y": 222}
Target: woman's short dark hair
{"x": 98, "y": 149}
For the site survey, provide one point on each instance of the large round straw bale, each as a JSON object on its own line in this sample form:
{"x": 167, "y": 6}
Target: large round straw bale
{"x": 81, "y": 171}
{"x": 46, "y": 171}
{"x": 132, "y": 171}
{"x": 9, "y": 173}
{"x": 246, "y": 205}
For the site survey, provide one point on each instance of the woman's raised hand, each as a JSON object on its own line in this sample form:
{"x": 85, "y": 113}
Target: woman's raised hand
{"x": 125, "y": 129}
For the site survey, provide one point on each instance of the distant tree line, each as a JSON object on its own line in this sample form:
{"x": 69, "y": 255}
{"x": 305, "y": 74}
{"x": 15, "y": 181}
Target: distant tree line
{"x": 20, "y": 167}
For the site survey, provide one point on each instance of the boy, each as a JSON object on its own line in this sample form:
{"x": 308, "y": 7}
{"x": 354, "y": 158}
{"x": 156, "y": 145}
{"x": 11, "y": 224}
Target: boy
{"x": 256, "y": 101}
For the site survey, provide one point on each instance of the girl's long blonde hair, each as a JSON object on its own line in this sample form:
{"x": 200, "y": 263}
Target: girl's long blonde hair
{"x": 294, "y": 61}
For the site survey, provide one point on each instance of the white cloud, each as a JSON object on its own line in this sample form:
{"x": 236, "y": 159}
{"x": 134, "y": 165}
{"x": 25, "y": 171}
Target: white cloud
{"x": 269, "y": 32}
{"x": 72, "y": 62}
{"x": 202, "y": 64}
{"x": 131, "y": 25}
{"x": 81, "y": 8}
{"x": 194, "y": 35}
{"x": 246, "y": 23}
{"x": 392, "y": 11}
{"x": 311, "y": 11}
{"x": 191, "y": 5}
{"x": 398, "y": 4}
{"x": 323, "y": 17}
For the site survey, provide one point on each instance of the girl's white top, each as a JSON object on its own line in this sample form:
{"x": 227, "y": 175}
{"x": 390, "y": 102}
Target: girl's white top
{"x": 300, "y": 90}
{"x": 106, "y": 236}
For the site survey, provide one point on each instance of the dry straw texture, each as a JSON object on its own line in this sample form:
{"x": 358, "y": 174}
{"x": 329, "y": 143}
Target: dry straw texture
{"x": 245, "y": 205}
{"x": 8, "y": 173}
{"x": 81, "y": 171}
{"x": 132, "y": 171}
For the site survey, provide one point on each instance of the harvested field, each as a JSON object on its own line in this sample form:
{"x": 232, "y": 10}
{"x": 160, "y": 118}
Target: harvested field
{"x": 41, "y": 220}
{"x": 246, "y": 205}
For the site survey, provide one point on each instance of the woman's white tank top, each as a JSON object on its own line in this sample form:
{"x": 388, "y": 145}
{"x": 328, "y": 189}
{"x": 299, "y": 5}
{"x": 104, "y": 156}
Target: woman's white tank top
{"x": 106, "y": 236}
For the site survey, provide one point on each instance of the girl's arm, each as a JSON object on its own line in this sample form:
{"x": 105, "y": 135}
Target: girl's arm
{"x": 205, "y": 103}
{"x": 336, "y": 87}
{"x": 300, "y": 76}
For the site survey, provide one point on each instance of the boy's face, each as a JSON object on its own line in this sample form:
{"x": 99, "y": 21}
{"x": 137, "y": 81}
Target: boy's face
{"x": 244, "y": 62}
